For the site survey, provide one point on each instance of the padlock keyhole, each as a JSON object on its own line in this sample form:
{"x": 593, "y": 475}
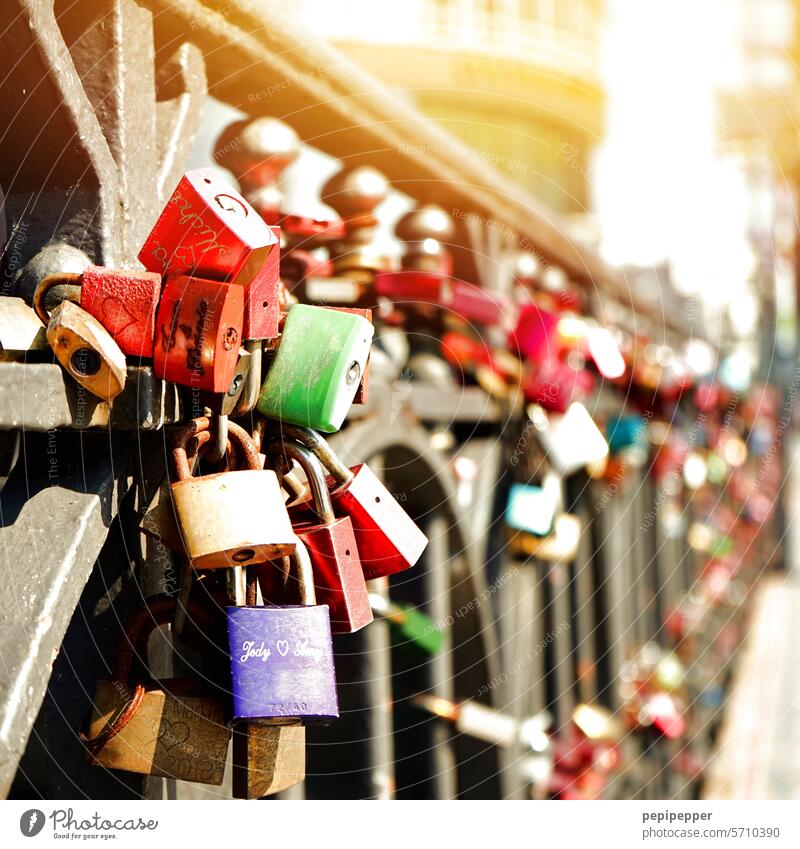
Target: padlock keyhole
{"x": 85, "y": 362}
{"x": 244, "y": 554}
{"x": 353, "y": 373}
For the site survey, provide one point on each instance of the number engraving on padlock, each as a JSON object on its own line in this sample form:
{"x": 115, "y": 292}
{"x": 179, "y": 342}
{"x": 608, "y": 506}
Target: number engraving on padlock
{"x": 288, "y": 708}
{"x": 231, "y": 204}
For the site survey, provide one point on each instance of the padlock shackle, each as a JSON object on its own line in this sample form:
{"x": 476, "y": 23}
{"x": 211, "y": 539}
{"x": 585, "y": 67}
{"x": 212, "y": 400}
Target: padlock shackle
{"x": 200, "y": 430}
{"x": 319, "y": 447}
{"x": 301, "y": 560}
{"x": 308, "y": 462}
{"x": 45, "y": 285}
{"x": 242, "y": 586}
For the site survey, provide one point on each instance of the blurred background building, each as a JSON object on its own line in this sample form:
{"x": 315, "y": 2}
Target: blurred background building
{"x": 517, "y": 80}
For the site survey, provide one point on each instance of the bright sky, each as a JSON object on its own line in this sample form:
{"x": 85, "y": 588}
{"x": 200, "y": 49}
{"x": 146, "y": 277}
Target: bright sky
{"x": 662, "y": 191}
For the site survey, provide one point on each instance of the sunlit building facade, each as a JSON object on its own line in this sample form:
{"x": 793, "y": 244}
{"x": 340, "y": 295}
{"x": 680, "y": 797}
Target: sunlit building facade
{"x": 517, "y": 80}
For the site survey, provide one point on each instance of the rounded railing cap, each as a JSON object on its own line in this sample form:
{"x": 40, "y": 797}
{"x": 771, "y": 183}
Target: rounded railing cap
{"x": 356, "y": 192}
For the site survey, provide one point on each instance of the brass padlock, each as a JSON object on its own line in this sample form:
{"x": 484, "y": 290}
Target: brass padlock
{"x": 266, "y": 759}
{"x": 83, "y": 346}
{"x": 230, "y": 518}
{"x": 175, "y": 729}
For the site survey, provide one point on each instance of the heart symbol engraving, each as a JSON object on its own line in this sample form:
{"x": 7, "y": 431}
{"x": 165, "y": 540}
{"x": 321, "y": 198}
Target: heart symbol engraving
{"x": 283, "y": 647}
{"x": 173, "y": 733}
{"x": 116, "y": 317}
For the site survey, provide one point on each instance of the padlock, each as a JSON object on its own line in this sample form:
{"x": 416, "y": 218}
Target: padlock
{"x": 198, "y": 333}
{"x": 456, "y": 298}
{"x": 331, "y": 542}
{"x": 317, "y": 368}
{"x": 224, "y": 403}
{"x": 497, "y": 372}
{"x": 267, "y": 759}
{"x": 532, "y": 508}
{"x": 207, "y": 229}
{"x": 409, "y": 626}
{"x": 228, "y": 518}
{"x": 262, "y": 304}
{"x": 571, "y": 441}
{"x": 626, "y": 431}
{"x": 560, "y": 547}
{"x": 176, "y": 729}
{"x": 362, "y": 393}
{"x": 388, "y": 539}
{"x": 554, "y": 385}
{"x": 282, "y": 668}
{"x": 124, "y": 302}
{"x": 535, "y": 336}
{"x": 21, "y": 330}
{"x": 85, "y": 349}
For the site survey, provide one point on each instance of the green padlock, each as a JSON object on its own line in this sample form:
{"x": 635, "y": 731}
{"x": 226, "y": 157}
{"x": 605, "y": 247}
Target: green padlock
{"x": 408, "y": 625}
{"x": 317, "y": 368}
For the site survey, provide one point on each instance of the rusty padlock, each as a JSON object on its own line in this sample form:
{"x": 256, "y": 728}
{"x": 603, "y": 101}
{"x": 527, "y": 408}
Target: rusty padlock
{"x": 83, "y": 347}
{"x": 229, "y": 518}
{"x": 388, "y": 539}
{"x": 124, "y": 302}
{"x": 198, "y": 333}
{"x": 176, "y": 728}
{"x": 338, "y": 574}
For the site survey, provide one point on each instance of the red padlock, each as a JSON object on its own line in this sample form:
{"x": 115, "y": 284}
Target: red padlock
{"x": 338, "y": 577}
{"x": 207, "y": 229}
{"x": 536, "y": 334}
{"x": 388, "y": 539}
{"x": 262, "y": 303}
{"x": 555, "y": 385}
{"x": 124, "y": 302}
{"x": 468, "y": 302}
{"x": 198, "y": 333}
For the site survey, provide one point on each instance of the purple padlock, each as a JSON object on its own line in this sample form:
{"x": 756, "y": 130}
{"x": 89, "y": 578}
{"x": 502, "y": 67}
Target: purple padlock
{"x": 282, "y": 658}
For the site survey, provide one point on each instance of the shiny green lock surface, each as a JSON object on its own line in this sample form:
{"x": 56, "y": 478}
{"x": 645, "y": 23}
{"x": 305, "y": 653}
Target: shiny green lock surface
{"x": 317, "y": 368}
